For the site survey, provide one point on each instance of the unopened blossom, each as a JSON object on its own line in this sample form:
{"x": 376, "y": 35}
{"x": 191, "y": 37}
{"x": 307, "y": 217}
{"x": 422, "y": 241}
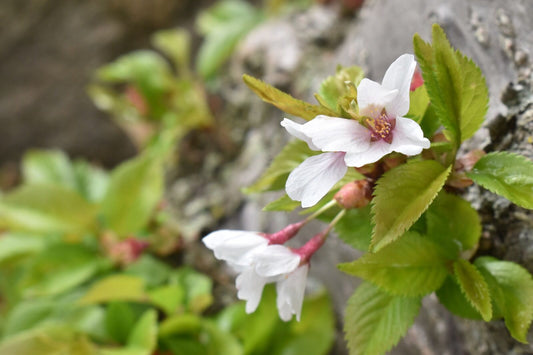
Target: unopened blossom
{"x": 381, "y": 130}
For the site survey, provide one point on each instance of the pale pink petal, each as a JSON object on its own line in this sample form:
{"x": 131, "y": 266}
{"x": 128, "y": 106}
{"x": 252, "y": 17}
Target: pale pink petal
{"x": 373, "y": 96}
{"x": 408, "y": 137}
{"x": 334, "y": 134}
{"x": 250, "y": 288}
{"x": 276, "y": 260}
{"x": 291, "y": 290}
{"x": 297, "y": 130}
{"x": 376, "y": 151}
{"x": 313, "y": 179}
{"x": 234, "y": 246}
{"x": 399, "y": 76}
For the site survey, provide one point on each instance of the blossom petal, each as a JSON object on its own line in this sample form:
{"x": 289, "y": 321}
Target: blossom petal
{"x": 234, "y": 246}
{"x": 334, "y": 134}
{"x": 372, "y": 97}
{"x": 376, "y": 151}
{"x": 313, "y": 179}
{"x": 408, "y": 137}
{"x": 291, "y": 290}
{"x": 250, "y": 288}
{"x": 297, "y": 130}
{"x": 399, "y": 77}
{"x": 276, "y": 260}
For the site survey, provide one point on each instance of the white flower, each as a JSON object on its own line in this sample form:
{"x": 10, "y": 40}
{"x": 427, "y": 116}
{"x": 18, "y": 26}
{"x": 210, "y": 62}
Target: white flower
{"x": 234, "y": 246}
{"x": 350, "y": 143}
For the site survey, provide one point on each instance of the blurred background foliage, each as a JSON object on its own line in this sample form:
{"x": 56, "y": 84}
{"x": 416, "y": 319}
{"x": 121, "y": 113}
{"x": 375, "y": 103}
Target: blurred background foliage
{"x": 90, "y": 260}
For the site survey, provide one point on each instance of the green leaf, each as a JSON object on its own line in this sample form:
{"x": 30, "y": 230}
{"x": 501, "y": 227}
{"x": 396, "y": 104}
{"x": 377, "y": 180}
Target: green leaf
{"x": 506, "y": 174}
{"x": 219, "y": 341}
{"x": 402, "y": 195}
{"x": 180, "y": 324}
{"x": 455, "y": 85}
{"x": 375, "y": 321}
{"x": 285, "y": 102}
{"x": 430, "y": 124}
{"x": 284, "y": 203}
{"x": 453, "y": 298}
{"x": 152, "y": 271}
{"x": 115, "y": 288}
{"x": 334, "y": 87}
{"x": 48, "y": 167}
{"x": 52, "y": 340}
{"x": 474, "y": 287}
{"x": 168, "y": 297}
{"x": 119, "y": 321}
{"x": 15, "y": 244}
{"x": 515, "y": 286}
{"x": 355, "y": 228}
{"x": 92, "y": 182}
{"x": 46, "y": 209}
{"x": 27, "y": 315}
{"x": 418, "y": 104}
{"x": 144, "y": 334}
{"x": 453, "y": 222}
{"x": 223, "y": 26}
{"x": 175, "y": 43}
{"x": 410, "y": 266}
{"x": 135, "y": 188}
{"x": 292, "y": 155}
{"x": 197, "y": 286}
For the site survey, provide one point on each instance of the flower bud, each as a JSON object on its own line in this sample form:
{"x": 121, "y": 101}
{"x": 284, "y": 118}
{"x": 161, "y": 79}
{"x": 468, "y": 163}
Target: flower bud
{"x": 355, "y": 194}
{"x": 417, "y": 80}
{"x": 285, "y": 234}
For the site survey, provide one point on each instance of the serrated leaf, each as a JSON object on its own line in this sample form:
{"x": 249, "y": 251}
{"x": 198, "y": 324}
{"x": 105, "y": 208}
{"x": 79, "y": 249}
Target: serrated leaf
{"x": 115, "y": 288}
{"x": 334, "y": 87}
{"x": 135, "y": 188}
{"x": 430, "y": 124}
{"x": 514, "y": 285}
{"x": 375, "y": 321}
{"x": 452, "y": 297}
{"x": 474, "y": 287}
{"x": 506, "y": 174}
{"x": 292, "y": 155}
{"x": 285, "y": 102}
{"x": 355, "y": 228}
{"x": 46, "y": 208}
{"x": 402, "y": 195}
{"x": 411, "y": 266}
{"x": 453, "y": 222}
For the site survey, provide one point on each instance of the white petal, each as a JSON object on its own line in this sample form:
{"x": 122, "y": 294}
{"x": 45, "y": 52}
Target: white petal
{"x": 334, "y": 134}
{"x": 373, "y": 96}
{"x": 376, "y": 151}
{"x": 291, "y": 290}
{"x": 297, "y": 130}
{"x": 250, "y": 288}
{"x": 233, "y": 246}
{"x": 276, "y": 260}
{"x": 399, "y": 76}
{"x": 408, "y": 137}
{"x": 313, "y": 179}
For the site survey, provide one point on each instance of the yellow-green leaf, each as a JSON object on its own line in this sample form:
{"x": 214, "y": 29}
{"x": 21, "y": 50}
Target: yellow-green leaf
{"x": 474, "y": 287}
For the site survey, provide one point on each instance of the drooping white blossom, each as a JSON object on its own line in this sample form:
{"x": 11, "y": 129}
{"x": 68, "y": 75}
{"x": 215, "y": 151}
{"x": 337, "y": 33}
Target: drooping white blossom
{"x": 381, "y": 130}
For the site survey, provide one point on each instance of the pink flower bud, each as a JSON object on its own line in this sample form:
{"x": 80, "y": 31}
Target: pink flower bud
{"x": 309, "y": 248}
{"x": 355, "y": 194}
{"x": 285, "y": 234}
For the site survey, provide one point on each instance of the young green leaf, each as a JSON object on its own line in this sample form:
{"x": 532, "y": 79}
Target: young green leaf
{"x": 474, "y": 287}
{"x": 334, "y": 87}
{"x": 452, "y": 297}
{"x": 355, "y": 228}
{"x": 135, "y": 188}
{"x": 411, "y": 266}
{"x": 168, "y": 297}
{"x": 174, "y": 43}
{"x": 119, "y": 321}
{"x": 144, "y": 335}
{"x": 45, "y": 208}
{"x": 115, "y": 288}
{"x": 514, "y": 287}
{"x": 453, "y": 222}
{"x": 13, "y": 245}
{"x": 292, "y": 155}
{"x": 506, "y": 174}
{"x": 285, "y": 102}
{"x": 48, "y": 167}
{"x": 375, "y": 320}
{"x": 284, "y": 203}
{"x": 402, "y": 195}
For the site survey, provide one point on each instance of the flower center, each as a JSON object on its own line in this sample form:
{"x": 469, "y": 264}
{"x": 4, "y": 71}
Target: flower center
{"x": 380, "y": 127}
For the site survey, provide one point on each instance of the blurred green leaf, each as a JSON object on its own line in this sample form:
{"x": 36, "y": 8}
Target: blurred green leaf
{"x": 174, "y": 43}
{"x": 474, "y": 287}
{"x": 135, "y": 188}
{"x": 168, "y": 298}
{"x": 411, "y": 266}
{"x": 284, "y": 203}
{"x": 119, "y": 321}
{"x": 48, "y": 167}
{"x": 219, "y": 341}
{"x": 375, "y": 320}
{"x": 355, "y": 228}
{"x": 197, "y": 286}
{"x": 92, "y": 182}
{"x": 144, "y": 334}
{"x": 402, "y": 195}
{"x": 223, "y": 25}
{"x": 285, "y": 102}
{"x": 152, "y": 271}
{"x": 27, "y": 315}
{"x": 115, "y": 288}
{"x": 46, "y": 209}
{"x": 16, "y": 244}
{"x": 506, "y": 174}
